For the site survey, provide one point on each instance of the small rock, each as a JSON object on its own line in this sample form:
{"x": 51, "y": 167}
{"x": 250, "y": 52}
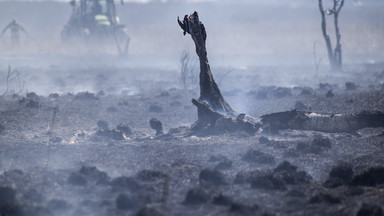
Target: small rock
{"x": 151, "y": 175}
{"x": 58, "y": 204}
{"x": 330, "y": 94}
{"x": 54, "y": 96}
{"x": 257, "y": 156}
{"x": 268, "y": 182}
{"x": 370, "y": 210}
{"x": 164, "y": 94}
{"x": 209, "y": 177}
{"x": 157, "y": 125}
{"x": 7, "y": 195}
{"x": 32, "y": 96}
{"x": 323, "y": 197}
{"x": 244, "y": 209}
{"x": 2, "y": 128}
{"x": 155, "y": 108}
{"x": 222, "y": 200}
{"x": 339, "y": 175}
{"x": 281, "y": 92}
{"x": 372, "y": 177}
{"x": 95, "y": 175}
{"x": 112, "y": 109}
{"x": 124, "y": 182}
{"x": 305, "y": 148}
{"x": 125, "y": 202}
{"x": 196, "y": 196}
{"x": 350, "y": 86}
{"x": 306, "y": 91}
{"x": 325, "y": 86}
{"x": 85, "y": 96}
{"x": 77, "y": 179}
{"x": 148, "y": 211}
{"x": 32, "y": 104}
{"x": 125, "y": 129}
{"x": 323, "y": 142}
{"x": 56, "y": 139}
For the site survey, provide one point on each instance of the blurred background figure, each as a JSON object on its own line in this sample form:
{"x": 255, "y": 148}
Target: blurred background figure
{"x": 15, "y": 29}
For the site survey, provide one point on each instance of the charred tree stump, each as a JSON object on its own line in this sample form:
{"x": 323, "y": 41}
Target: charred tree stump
{"x": 211, "y": 105}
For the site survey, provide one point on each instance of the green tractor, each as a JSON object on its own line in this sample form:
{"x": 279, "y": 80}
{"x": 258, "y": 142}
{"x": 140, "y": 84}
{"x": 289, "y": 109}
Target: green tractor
{"x": 95, "y": 22}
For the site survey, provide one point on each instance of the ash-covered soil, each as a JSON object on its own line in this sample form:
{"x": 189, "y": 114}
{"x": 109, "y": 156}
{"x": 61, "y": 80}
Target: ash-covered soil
{"x": 95, "y": 154}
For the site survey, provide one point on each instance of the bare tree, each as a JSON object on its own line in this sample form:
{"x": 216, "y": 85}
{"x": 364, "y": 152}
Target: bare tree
{"x": 334, "y": 55}
{"x": 187, "y": 69}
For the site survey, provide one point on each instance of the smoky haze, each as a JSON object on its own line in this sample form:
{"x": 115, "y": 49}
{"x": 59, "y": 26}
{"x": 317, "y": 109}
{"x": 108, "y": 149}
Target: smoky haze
{"x": 241, "y": 35}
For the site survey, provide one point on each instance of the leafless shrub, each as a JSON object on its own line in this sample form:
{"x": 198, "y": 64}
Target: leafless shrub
{"x": 317, "y": 61}
{"x": 187, "y": 70}
{"x": 14, "y": 82}
{"x": 221, "y": 73}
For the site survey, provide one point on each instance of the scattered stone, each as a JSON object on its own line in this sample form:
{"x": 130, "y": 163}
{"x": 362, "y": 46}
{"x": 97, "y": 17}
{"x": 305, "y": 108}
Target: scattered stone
{"x": 56, "y": 139}
{"x": 7, "y": 195}
{"x": 157, "y": 125}
{"x": 155, "y": 108}
{"x": 350, "y": 86}
{"x": 125, "y": 129}
{"x": 125, "y": 202}
{"x": 370, "y": 210}
{"x": 268, "y": 182}
{"x": 175, "y": 104}
{"x": 222, "y": 200}
{"x": 223, "y": 162}
{"x": 85, "y": 96}
{"x": 148, "y": 211}
{"x": 54, "y": 96}
{"x": 196, "y": 196}
{"x": 325, "y": 86}
{"x": 244, "y": 209}
{"x": 339, "y": 175}
{"x": 32, "y": 104}
{"x": 330, "y": 94}
{"x": 281, "y": 92}
{"x": 77, "y": 179}
{"x": 103, "y": 125}
{"x": 372, "y": 177}
{"x": 299, "y": 106}
{"x": 323, "y": 142}
{"x": 151, "y": 175}
{"x": 112, "y": 109}
{"x": 209, "y": 177}
{"x": 285, "y": 166}
{"x": 257, "y": 156}
{"x": 33, "y": 195}
{"x": 58, "y": 204}
{"x": 95, "y": 175}
{"x": 32, "y": 96}
{"x": 124, "y": 182}
{"x": 306, "y": 91}
{"x": 323, "y": 197}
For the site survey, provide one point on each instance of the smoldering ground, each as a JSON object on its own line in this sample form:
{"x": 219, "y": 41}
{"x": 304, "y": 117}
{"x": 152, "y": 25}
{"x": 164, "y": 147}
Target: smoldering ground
{"x": 66, "y": 151}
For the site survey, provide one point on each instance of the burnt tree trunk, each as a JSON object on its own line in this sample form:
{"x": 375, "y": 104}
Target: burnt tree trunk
{"x": 211, "y": 105}
{"x": 329, "y": 123}
{"x": 334, "y": 56}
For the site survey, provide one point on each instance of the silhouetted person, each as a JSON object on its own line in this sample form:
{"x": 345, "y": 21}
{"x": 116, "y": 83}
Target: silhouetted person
{"x": 96, "y": 7}
{"x": 15, "y": 32}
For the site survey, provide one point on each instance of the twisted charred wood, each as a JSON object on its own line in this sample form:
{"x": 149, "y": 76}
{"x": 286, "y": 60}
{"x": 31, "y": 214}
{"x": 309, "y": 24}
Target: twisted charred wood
{"x": 211, "y": 105}
{"x": 333, "y": 123}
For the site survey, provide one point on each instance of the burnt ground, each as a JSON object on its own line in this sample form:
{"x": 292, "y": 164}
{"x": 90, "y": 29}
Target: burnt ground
{"x": 67, "y": 155}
